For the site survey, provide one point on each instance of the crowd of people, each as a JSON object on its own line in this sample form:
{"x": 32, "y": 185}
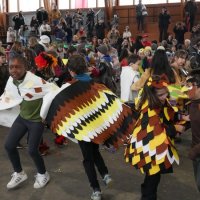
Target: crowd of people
{"x": 153, "y": 86}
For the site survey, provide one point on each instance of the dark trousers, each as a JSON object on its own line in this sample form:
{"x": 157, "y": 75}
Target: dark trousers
{"x": 192, "y": 19}
{"x": 149, "y": 187}
{"x": 163, "y": 33}
{"x": 196, "y": 167}
{"x": 92, "y": 157}
{"x": 19, "y": 128}
{"x": 140, "y": 23}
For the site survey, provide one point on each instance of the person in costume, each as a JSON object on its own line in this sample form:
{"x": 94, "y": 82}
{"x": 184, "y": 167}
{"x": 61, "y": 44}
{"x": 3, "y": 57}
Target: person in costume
{"x": 90, "y": 114}
{"x": 90, "y": 151}
{"x": 27, "y": 90}
{"x": 193, "y": 83}
{"x": 151, "y": 148}
{"x": 49, "y": 69}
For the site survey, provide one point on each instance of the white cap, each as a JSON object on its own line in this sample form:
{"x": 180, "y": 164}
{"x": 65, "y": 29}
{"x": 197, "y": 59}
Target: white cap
{"x": 45, "y": 39}
{"x": 161, "y": 48}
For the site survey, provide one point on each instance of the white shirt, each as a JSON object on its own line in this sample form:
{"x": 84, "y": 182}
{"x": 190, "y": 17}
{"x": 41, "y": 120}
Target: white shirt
{"x": 127, "y": 78}
{"x": 126, "y": 34}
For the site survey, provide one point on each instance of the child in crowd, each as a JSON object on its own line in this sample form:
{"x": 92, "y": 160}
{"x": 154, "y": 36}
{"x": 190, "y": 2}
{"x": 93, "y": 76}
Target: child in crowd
{"x": 91, "y": 155}
{"x": 28, "y": 90}
{"x": 194, "y": 113}
{"x": 129, "y": 75}
{"x": 151, "y": 146}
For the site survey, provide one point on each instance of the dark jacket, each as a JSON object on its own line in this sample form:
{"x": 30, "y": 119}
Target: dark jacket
{"x": 194, "y": 112}
{"x": 4, "y": 75}
{"x": 164, "y": 20}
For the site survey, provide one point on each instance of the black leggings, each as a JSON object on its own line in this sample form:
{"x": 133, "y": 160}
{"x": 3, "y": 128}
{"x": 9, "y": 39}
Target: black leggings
{"x": 149, "y": 187}
{"x": 92, "y": 157}
{"x": 19, "y": 128}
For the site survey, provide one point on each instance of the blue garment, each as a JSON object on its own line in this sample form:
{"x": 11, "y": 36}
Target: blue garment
{"x": 83, "y": 77}
{"x": 107, "y": 58}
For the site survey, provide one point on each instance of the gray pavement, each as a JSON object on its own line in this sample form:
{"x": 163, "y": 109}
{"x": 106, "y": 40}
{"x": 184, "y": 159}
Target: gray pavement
{"x": 69, "y": 182}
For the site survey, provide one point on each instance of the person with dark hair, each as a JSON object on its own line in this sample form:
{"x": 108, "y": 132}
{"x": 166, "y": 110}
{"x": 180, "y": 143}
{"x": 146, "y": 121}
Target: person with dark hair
{"x": 137, "y": 45}
{"x": 42, "y": 15}
{"x": 4, "y": 74}
{"x": 151, "y": 147}
{"x": 190, "y": 12}
{"x": 193, "y": 82}
{"x": 159, "y": 65}
{"x": 106, "y": 74}
{"x": 140, "y": 15}
{"x": 179, "y": 31}
{"x": 164, "y": 21}
{"x": 34, "y": 45}
{"x": 18, "y": 20}
{"x": 178, "y": 66}
{"x": 16, "y": 49}
{"x": 90, "y": 22}
{"x": 123, "y": 57}
{"x": 100, "y": 29}
{"x": 34, "y": 24}
{"x": 78, "y": 67}
{"x": 27, "y": 90}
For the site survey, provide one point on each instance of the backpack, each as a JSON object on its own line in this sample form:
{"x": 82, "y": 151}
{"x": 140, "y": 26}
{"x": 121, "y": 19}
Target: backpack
{"x": 107, "y": 76}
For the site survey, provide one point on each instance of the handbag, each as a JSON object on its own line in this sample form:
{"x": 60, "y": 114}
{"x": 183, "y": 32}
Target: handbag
{"x": 144, "y": 13}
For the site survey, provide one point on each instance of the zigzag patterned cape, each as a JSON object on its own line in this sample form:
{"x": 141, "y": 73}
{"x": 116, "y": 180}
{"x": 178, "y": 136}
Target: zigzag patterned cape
{"x": 151, "y": 148}
{"x": 87, "y": 111}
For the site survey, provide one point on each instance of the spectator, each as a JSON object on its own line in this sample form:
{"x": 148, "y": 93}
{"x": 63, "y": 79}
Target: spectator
{"x": 190, "y": 12}
{"x": 179, "y": 31}
{"x": 100, "y": 29}
{"x": 42, "y": 15}
{"x": 55, "y": 15}
{"x": 34, "y": 24}
{"x": 90, "y": 22}
{"x": 127, "y": 34}
{"x": 11, "y": 35}
{"x": 68, "y": 18}
{"x": 140, "y": 15}
{"x": 4, "y": 74}
{"x": 18, "y": 20}
{"x": 164, "y": 21}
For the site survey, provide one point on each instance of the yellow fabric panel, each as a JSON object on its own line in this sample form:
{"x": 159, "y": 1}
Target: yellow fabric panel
{"x": 151, "y": 113}
{"x": 87, "y": 109}
{"x": 158, "y": 162}
{"x": 136, "y": 131}
{"x": 135, "y": 159}
{"x": 150, "y": 128}
{"x": 157, "y": 141}
{"x": 148, "y": 159}
{"x": 154, "y": 170}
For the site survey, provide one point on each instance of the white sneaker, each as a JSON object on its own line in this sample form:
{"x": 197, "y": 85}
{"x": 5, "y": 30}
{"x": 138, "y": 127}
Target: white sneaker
{"x": 107, "y": 180}
{"x": 16, "y": 179}
{"x": 41, "y": 180}
{"x": 96, "y": 195}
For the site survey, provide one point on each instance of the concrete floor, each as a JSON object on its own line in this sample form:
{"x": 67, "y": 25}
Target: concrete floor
{"x": 69, "y": 182}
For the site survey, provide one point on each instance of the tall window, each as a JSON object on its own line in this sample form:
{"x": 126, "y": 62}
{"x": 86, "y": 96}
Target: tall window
{"x": 73, "y": 4}
{"x": 173, "y": 1}
{"x": 12, "y": 5}
{"x": 101, "y": 3}
{"x": 25, "y": 5}
{"x": 125, "y": 3}
{"x": 151, "y": 2}
{"x": 63, "y": 4}
{"x": 92, "y": 4}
